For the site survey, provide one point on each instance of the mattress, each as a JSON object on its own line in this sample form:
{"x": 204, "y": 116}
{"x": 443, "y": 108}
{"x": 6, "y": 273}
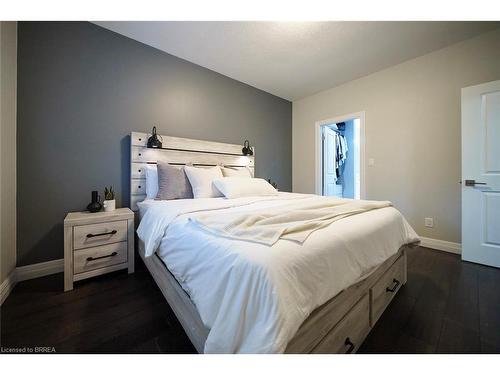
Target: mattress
{"x": 254, "y": 297}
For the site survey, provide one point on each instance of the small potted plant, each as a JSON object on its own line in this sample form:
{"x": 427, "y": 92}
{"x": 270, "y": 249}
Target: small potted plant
{"x": 109, "y": 199}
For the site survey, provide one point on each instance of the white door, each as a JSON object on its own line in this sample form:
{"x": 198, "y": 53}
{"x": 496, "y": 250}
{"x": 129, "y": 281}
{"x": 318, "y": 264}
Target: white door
{"x": 481, "y": 174}
{"x": 329, "y": 172}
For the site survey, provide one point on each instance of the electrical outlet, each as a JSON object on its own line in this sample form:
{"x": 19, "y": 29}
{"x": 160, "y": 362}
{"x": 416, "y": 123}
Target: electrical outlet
{"x": 429, "y": 222}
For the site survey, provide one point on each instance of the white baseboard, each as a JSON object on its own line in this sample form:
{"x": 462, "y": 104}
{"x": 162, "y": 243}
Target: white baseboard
{"x": 6, "y": 287}
{"x": 450, "y": 247}
{"x": 33, "y": 271}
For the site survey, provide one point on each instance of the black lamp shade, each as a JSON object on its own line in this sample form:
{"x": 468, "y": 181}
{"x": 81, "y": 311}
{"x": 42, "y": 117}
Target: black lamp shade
{"x": 153, "y": 141}
{"x": 247, "y": 149}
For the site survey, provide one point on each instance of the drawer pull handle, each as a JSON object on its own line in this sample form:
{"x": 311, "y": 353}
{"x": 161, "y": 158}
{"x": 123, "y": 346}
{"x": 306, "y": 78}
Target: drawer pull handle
{"x": 350, "y": 344}
{"x": 394, "y": 287}
{"x": 89, "y": 259}
{"x": 90, "y": 235}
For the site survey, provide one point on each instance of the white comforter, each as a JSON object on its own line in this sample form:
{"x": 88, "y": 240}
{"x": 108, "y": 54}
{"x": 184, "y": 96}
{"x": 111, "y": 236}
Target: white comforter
{"x": 254, "y": 297}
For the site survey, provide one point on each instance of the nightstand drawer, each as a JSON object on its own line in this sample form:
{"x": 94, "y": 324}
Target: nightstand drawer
{"x": 99, "y": 234}
{"x": 99, "y": 257}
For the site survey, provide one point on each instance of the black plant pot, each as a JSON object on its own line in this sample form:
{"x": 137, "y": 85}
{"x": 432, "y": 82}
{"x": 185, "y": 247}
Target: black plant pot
{"x": 94, "y": 206}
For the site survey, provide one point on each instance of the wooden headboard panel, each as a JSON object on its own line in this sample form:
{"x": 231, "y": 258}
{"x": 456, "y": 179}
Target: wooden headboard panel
{"x": 179, "y": 151}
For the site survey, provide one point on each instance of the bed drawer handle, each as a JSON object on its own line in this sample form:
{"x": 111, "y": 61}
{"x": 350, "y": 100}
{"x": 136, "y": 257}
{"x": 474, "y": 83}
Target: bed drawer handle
{"x": 89, "y": 259}
{"x": 90, "y": 235}
{"x": 349, "y": 343}
{"x": 394, "y": 287}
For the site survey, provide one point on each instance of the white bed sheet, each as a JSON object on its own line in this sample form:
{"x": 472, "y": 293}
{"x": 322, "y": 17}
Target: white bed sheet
{"x": 254, "y": 297}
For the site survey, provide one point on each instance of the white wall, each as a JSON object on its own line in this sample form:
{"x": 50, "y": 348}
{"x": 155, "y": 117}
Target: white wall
{"x": 412, "y": 130}
{"x": 8, "y": 84}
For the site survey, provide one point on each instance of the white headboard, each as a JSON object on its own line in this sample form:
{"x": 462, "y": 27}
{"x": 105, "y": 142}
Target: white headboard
{"x": 179, "y": 151}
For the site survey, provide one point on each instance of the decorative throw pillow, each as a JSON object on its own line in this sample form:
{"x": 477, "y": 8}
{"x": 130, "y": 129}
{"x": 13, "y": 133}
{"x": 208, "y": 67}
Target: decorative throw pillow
{"x": 151, "y": 181}
{"x": 201, "y": 181}
{"x": 172, "y": 183}
{"x": 236, "y": 172}
{"x": 236, "y": 187}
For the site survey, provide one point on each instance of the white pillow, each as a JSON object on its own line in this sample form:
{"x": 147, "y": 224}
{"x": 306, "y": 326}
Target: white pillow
{"x": 236, "y": 187}
{"x": 201, "y": 181}
{"x": 151, "y": 181}
{"x": 236, "y": 172}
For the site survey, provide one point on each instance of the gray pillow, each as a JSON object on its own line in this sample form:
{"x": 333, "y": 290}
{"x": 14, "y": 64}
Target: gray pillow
{"x": 172, "y": 183}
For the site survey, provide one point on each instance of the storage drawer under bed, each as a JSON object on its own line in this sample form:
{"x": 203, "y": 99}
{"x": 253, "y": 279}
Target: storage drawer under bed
{"x": 384, "y": 290}
{"x": 349, "y": 333}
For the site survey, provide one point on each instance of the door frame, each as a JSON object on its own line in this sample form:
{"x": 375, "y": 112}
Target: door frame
{"x": 318, "y": 161}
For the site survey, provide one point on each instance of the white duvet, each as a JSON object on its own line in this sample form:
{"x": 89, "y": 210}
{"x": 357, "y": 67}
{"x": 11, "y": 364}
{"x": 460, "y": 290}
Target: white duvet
{"x": 254, "y": 297}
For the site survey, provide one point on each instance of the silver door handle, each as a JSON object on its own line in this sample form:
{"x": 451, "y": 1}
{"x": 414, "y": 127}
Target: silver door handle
{"x": 473, "y": 183}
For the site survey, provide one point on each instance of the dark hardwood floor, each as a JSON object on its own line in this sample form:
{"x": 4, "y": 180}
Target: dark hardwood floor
{"x": 447, "y": 306}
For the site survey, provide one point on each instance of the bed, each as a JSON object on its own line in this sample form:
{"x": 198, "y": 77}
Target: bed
{"x": 234, "y": 296}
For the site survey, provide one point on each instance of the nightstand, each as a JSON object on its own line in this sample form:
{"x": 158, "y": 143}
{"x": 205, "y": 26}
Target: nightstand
{"x": 97, "y": 243}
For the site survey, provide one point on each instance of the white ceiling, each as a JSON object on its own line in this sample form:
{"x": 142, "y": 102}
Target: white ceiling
{"x": 296, "y": 59}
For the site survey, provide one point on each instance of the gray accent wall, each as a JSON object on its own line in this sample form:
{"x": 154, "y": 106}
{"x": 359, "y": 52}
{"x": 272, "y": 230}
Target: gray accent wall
{"x": 82, "y": 89}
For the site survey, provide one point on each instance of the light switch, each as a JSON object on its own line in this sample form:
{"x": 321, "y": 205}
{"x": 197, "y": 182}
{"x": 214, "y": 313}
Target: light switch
{"x": 371, "y": 161}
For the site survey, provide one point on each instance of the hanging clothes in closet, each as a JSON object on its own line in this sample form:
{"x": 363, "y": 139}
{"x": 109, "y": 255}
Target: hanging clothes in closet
{"x": 340, "y": 153}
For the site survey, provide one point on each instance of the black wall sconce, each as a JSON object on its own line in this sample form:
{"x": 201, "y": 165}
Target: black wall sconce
{"x": 153, "y": 141}
{"x": 247, "y": 149}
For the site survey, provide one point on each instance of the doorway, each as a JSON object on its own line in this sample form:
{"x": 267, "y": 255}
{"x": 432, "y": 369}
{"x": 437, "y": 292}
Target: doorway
{"x": 339, "y": 157}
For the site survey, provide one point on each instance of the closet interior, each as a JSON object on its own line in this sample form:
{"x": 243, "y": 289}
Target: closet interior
{"x": 341, "y": 159}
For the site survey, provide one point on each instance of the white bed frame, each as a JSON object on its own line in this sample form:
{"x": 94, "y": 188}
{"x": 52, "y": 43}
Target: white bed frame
{"x": 179, "y": 151}
{"x": 338, "y": 326}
